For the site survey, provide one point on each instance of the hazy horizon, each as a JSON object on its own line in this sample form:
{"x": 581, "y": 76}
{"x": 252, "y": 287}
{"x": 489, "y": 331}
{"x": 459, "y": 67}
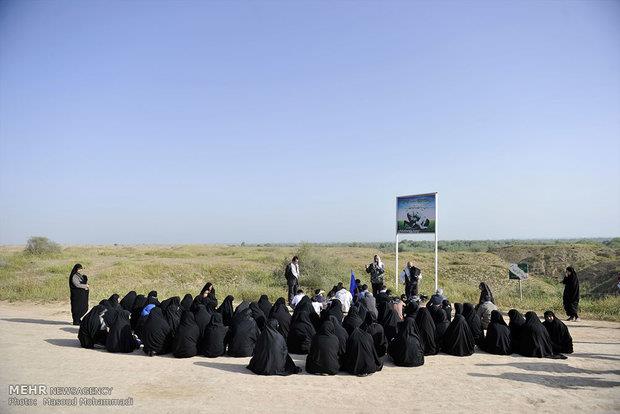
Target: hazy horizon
{"x": 226, "y": 122}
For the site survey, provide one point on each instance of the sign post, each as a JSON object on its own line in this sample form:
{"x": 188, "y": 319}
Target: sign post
{"x": 417, "y": 214}
{"x": 518, "y": 272}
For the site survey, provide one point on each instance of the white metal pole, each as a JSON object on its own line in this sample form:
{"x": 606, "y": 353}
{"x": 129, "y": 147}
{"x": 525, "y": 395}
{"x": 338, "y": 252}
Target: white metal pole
{"x": 520, "y": 290}
{"x": 436, "y": 228}
{"x": 396, "y": 270}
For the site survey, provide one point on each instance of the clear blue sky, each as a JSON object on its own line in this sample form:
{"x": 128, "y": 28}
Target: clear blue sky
{"x": 195, "y": 121}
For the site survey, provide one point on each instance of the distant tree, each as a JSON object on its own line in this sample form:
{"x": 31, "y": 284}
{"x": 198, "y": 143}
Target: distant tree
{"x": 41, "y": 245}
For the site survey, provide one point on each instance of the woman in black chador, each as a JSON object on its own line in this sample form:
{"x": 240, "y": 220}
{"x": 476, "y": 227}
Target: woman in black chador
{"x": 213, "y": 342}
{"x": 280, "y": 313}
{"x": 324, "y": 357}
{"x": 406, "y": 349}
{"x": 474, "y": 322}
{"x": 485, "y": 291}
{"x": 120, "y": 338}
{"x": 516, "y": 328}
{"x": 498, "y": 340}
{"x": 371, "y": 326}
{"x": 352, "y": 320}
{"x": 226, "y": 310}
{"x": 243, "y": 334}
{"x": 361, "y": 356}
{"x": 156, "y": 334}
{"x": 264, "y": 304}
{"x": 301, "y": 333}
{"x": 558, "y": 331}
{"x": 458, "y": 340}
{"x": 426, "y": 331}
{"x": 535, "y": 340}
{"x": 185, "y": 342}
{"x": 571, "y": 294}
{"x": 271, "y": 355}
{"x": 78, "y": 287}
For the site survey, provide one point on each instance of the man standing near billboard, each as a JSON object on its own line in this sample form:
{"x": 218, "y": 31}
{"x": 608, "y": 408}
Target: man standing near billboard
{"x": 410, "y": 276}
{"x": 376, "y": 270}
{"x": 291, "y": 273}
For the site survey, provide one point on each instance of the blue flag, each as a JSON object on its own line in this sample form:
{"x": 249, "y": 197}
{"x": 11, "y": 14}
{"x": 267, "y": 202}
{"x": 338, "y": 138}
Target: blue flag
{"x": 353, "y": 284}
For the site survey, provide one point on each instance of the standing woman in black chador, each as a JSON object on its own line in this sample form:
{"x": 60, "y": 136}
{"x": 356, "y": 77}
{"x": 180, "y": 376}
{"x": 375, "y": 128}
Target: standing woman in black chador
{"x": 78, "y": 287}
{"x": 571, "y": 294}
{"x": 485, "y": 291}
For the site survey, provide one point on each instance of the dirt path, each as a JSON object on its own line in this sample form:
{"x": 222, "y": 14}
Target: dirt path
{"x": 39, "y": 347}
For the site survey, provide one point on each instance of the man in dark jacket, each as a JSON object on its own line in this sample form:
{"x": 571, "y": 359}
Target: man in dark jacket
{"x": 411, "y": 275}
{"x": 292, "y": 278}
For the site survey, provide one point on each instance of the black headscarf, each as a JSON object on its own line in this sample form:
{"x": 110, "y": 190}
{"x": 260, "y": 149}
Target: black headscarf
{"x": 412, "y": 309}
{"x": 156, "y": 333}
{"x": 570, "y": 298}
{"x": 226, "y": 310}
{"x": 264, "y": 304}
{"x": 447, "y": 308}
{"x": 120, "y": 338}
{"x": 136, "y": 309}
{"x": 113, "y": 302}
{"x": 498, "y": 340}
{"x": 271, "y": 355}
{"x": 212, "y": 343}
{"x": 352, "y": 320}
{"x": 301, "y": 333}
{"x": 342, "y": 335}
{"x": 202, "y": 317}
{"x": 558, "y": 332}
{"x": 305, "y": 305}
{"x": 458, "y": 308}
{"x": 334, "y": 309}
{"x": 128, "y": 300}
{"x": 389, "y": 321}
{"x": 186, "y": 302}
{"x": 371, "y": 326}
{"x": 516, "y": 327}
{"x": 171, "y": 308}
{"x": 361, "y": 356}
{"x": 474, "y": 322}
{"x": 151, "y": 298}
{"x": 323, "y": 357}
{"x": 90, "y": 332}
{"x": 406, "y": 349}
{"x": 279, "y": 312}
{"x": 535, "y": 340}
{"x": 258, "y": 315}
{"x": 426, "y": 330}
{"x": 243, "y": 334}
{"x": 485, "y": 293}
{"x": 458, "y": 340}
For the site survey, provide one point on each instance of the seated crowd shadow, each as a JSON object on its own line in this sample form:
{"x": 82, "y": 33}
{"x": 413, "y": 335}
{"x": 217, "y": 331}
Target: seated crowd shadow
{"x": 561, "y": 382}
{"x": 64, "y": 342}
{"x": 608, "y": 357}
{"x": 560, "y": 368}
{"x": 237, "y": 368}
{"x": 71, "y": 329}
{"x": 37, "y": 321}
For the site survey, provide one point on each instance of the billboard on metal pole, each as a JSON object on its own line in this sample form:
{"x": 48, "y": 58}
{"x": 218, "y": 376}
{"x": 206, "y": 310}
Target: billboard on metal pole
{"x": 416, "y": 214}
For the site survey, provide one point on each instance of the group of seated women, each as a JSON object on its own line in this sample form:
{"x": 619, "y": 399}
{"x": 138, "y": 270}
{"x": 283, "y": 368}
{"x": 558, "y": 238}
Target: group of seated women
{"x": 355, "y": 343}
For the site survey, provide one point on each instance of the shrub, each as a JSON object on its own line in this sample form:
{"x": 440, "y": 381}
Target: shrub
{"x": 41, "y": 245}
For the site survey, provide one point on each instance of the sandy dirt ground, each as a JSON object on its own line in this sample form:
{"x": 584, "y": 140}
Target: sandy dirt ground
{"x": 38, "y": 346}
